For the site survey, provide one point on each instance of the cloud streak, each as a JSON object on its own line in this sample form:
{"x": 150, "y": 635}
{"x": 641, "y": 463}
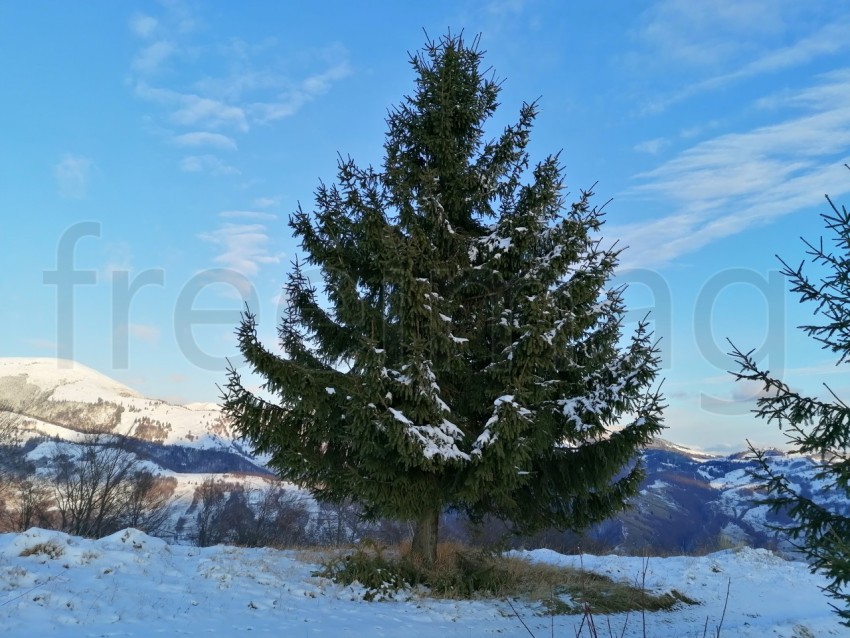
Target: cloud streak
{"x": 653, "y": 146}
{"x": 188, "y": 109}
{"x": 725, "y": 185}
{"x": 829, "y": 40}
{"x": 290, "y": 102}
{"x": 706, "y": 35}
{"x": 244, "y": 247}
{"x": 247, "y": 84}
{"x": 266, "y": 202}
{"x": 144, "y": 332}
{"x": 143, "y": 25}
{"x": 207, "y": 164}
{"x": 247, "y": 214}
{"x": 206, "y": 139}
{"x": 72, "y": 175}
{"x": 152, "y": 57}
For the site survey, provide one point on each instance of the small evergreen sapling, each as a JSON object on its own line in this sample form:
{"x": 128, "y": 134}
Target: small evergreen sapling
{"x": 467, "y": 349}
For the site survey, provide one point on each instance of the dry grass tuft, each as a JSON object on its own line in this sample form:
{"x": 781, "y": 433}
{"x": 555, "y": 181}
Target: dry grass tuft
{"x": 463, "y": 573}
{"x": 50, "y": 549}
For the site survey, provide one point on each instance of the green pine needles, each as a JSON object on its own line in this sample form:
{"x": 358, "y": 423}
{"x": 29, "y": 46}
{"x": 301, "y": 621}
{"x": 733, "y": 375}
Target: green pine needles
{"x": 464, "y": 348}
{"x": 813, "y": 426}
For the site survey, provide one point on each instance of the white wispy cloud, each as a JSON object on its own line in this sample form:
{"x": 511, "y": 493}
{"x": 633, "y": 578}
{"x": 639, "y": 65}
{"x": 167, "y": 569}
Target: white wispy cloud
{"x": 247, "y": 214}
{"x": 189, "y": 109}
{"x": 266, "y": 202}
{"x": 195, "y": 110}
{"x": 143, "y": 25}
{"x": 207, "y": 164}
{"x": 205, "y": 138}
{"x": 144, "y": 332}
{"x": 237, "y": 86}
{"x": 150, "y": 58}
{"x": 72, "y": 175}
{"x": 709, "y": 34}
{"x": 698, "y": 129}
{"x": 244, "y": 83}
{"x": 244, "y": 247}
{"x": 727, "y": 184}
{"x": 685, "y": 49}
{"x": 43, "y": 344}
{"x": 495, "y": 18}
{"x": 502, "y": 7}
{"x": 119, "y": 259}
{"x": 828, "y": 40}
{"x": 653, "y": 146}
{"x": 290, "y": 102}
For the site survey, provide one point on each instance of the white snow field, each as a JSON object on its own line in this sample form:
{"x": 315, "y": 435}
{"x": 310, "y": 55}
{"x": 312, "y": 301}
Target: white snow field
{"x": 130, "y": 584}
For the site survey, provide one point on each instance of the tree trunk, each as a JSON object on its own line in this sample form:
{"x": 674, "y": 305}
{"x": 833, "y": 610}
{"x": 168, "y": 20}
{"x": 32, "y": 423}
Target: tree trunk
{"x": 424, "y": 545}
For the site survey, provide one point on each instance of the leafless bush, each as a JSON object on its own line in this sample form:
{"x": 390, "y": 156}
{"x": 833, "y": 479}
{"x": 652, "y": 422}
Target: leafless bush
{"x": 228, "y": 513}
{"x": 339, "y": 523}
{"x": 209, "y": 500}
{"x": 13, "y": 465}
{"x": 99, "y": 488}
{"x": 11, "y": 456}
{"x": 8, "y": 425}
{"x": 148, "y": 507}
{"x": 391, "y": 532}
{"x": 29, "y": 504}
{"x": 280, "y": 518}
{"x": 237, "y": 519}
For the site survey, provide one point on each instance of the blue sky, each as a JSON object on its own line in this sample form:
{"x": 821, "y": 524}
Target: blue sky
{"x": 159, "y": 147}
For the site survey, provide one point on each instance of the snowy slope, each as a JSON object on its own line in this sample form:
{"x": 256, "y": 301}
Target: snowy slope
{"x": 129, "y": 584}
{"x": 690, "y": 500}
{"x": 60, "y": 398}
{"x": 68, "y": 379}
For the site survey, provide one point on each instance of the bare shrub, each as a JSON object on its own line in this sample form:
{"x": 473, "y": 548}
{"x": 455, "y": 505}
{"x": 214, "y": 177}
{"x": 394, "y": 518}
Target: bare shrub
{"x": 237, "y": 519}
{"x": 280, "y": 517}
{"x": 148, "y": 507}
{"x": 209, "y": 499}
{"x": 391, "y": 532}
{"x": 339, "y": 523}
{"x": 228, "y": 513}
{"x": 13, "y": 463}
{"x": 30, "y": 504}
{"x": 99, "y": 488}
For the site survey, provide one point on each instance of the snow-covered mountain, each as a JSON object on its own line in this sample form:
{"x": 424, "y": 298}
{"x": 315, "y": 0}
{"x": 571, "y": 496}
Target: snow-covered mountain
{"x": 690, "y": 501}
{"x": 63, "y": 399}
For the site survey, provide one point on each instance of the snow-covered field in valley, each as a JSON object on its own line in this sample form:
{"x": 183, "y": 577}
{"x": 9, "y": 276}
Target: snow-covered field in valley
{"x": 130, "y": 584}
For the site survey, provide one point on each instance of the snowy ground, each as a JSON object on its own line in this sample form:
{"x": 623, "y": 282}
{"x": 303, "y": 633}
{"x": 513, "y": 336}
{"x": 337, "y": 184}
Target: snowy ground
{"x": 130, "y": 584}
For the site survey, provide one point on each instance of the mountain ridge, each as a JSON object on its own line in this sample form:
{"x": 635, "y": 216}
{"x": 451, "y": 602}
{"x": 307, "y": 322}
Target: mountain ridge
{"x": 690, "y": 499}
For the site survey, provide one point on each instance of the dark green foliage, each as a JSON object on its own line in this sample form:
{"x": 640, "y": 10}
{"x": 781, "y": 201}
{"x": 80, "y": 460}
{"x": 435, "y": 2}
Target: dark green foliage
{"x": 463, "y": 348}
{"x": 812, "y": 426}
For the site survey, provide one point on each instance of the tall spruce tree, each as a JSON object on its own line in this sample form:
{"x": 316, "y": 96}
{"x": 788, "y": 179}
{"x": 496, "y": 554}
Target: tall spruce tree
{"x": 466, "y": 349}
{"x": 815, "y": 427}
